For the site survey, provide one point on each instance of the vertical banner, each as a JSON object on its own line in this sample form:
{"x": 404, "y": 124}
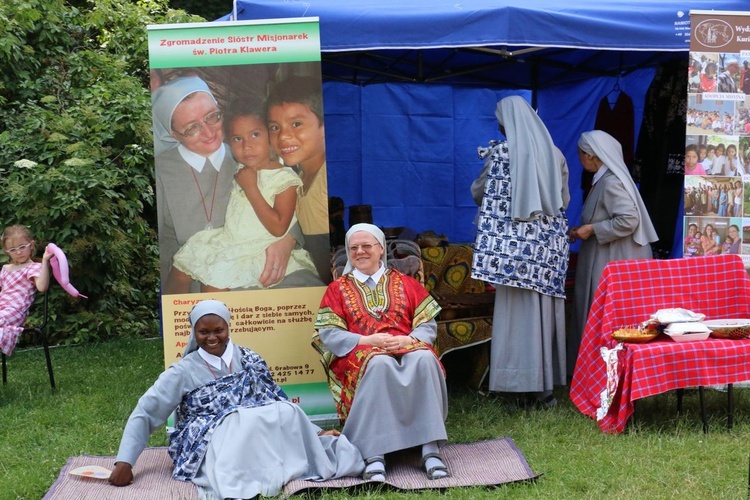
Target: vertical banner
{"x": 717, "y": 149}
{"x": 241, "y": 189}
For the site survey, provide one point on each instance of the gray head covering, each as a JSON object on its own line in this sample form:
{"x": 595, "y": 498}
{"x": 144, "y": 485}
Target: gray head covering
{"x": 163, "y": 103}
{"x": 368, "y": 228}
{"x": 535, "y": 177}
{"x": 200, "y": 309}
{"x": 609, "y": 151}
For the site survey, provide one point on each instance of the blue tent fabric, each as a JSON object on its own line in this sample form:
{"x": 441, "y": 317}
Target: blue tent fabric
{"x": 419, "y": 156}
{"x": 532, "y": 45}
{"x": 412, "y": 154}
{"x": 369, "y": 24}
{"x": 409, "y": 148}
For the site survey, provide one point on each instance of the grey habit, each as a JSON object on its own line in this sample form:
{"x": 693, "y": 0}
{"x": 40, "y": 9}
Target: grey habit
{"x": 180, "y": 206}
{"x": 254, "y": 451}
{"x": 622, "y": 227}
{"x": 400, "y": 402}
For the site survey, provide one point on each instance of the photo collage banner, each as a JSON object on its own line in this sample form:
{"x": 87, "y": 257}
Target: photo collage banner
{"x": 717, "y": 149}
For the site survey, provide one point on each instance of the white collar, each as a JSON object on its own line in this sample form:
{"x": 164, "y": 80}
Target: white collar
{"x": 215, "y": 361}
{"x": 197, "y": 161}
{"x": 599, "y": 174}
{"x": 362, "y": 277}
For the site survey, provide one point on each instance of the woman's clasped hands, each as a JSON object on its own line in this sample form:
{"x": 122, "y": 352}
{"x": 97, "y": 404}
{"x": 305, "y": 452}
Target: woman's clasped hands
{"x": 387, "y": 341}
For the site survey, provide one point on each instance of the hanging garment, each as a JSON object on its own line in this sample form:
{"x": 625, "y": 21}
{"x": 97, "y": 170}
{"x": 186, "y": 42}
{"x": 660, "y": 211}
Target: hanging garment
{"x": 660, "y": 153}
{"x": 618, "y": 121}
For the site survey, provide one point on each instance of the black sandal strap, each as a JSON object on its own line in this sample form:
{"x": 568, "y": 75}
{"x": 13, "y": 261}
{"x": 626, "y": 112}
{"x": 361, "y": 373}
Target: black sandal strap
{"x": 369, "y": 474}
{"x": 428, "y": 456}
{"x": 437, "y": 468}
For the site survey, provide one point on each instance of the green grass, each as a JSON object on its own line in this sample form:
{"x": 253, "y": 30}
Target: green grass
{"x": 663, "y": 455}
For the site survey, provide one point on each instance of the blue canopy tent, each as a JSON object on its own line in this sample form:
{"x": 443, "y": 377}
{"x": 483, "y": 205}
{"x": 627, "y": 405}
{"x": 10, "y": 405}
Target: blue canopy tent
{"x": 410, "y": 87}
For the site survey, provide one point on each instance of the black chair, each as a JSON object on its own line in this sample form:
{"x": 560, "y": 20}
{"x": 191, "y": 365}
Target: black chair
{"x": 42, "y": 331}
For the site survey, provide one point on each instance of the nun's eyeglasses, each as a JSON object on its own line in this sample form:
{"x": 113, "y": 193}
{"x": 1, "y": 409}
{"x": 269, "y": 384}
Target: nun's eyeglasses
{"x": 195, "y": 129}
{"x": 365, "y": 248}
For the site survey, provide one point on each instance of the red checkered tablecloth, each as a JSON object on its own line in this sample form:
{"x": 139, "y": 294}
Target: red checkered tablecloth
{"x": 628, "y": 293}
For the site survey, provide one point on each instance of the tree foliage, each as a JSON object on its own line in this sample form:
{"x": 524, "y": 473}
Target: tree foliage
{"x": 76, "y": 163}
{"x": 209, "y": 9}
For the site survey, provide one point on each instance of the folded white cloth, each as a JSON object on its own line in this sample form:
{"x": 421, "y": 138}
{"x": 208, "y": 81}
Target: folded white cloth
{"x": 676, "y": 315}
{"x": 608, "y": 394}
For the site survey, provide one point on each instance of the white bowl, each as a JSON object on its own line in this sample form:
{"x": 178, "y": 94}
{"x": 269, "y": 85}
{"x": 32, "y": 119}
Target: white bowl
{"x": 687, "y": 337}
{"x": 729, "y": 328}
{"x": 715, "y": 324}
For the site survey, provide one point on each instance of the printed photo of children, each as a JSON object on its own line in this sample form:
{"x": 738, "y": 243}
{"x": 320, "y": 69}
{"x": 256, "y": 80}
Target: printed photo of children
{"x": 712, "y": 236}
{"x": 242, "y": 201}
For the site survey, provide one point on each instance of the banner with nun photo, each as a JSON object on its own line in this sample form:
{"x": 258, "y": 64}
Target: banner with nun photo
{"x": 717, "y": 150}
{"x": 241, "y": 188}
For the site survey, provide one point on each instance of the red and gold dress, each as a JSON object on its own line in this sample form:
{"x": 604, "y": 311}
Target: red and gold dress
{"x": 397, "y": 305}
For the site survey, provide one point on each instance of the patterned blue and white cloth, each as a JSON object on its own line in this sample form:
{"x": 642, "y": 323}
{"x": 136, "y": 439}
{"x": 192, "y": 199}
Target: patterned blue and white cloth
{"x": 523, "y": 254}
{"x": 202, "y": 410}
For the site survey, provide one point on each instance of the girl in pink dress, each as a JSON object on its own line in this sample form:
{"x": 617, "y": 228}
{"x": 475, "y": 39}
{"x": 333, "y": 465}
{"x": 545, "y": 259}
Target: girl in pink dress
{"x": 19, "y": 280}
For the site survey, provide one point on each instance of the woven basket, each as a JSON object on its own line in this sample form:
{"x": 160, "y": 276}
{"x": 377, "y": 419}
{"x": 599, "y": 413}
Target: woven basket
{"x": 634, "y": 335}
{"x": 730, "y": 332}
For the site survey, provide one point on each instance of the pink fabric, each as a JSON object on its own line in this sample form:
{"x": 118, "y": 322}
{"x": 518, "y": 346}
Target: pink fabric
{"x": 59, "y": 264}
{"x": 628, "y": 293}
{"x": 16, "y": 296}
